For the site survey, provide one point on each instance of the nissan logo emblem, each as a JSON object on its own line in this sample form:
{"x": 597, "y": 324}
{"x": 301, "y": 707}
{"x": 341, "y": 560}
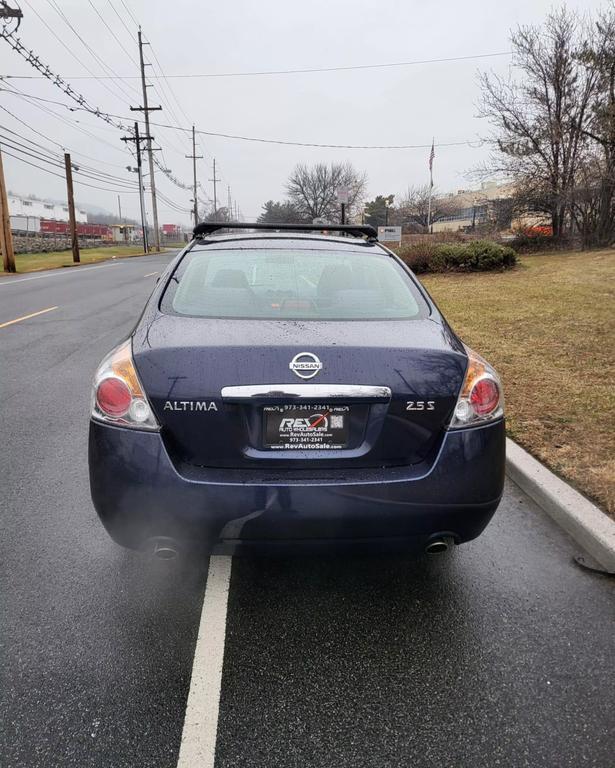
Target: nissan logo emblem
{"x": 305, "y": 365}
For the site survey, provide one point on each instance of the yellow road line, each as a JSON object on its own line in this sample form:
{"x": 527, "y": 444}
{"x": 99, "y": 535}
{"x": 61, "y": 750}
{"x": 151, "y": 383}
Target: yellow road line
{"x": 27, "y": 317}
{"x": 149, "y": 274}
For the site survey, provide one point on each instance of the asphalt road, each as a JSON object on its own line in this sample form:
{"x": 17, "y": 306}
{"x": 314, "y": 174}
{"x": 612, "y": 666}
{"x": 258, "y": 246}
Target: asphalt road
{"x": 501, "y": 655}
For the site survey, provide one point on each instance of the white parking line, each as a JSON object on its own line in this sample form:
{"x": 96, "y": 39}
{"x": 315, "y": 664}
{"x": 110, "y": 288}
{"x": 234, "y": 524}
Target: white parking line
{"x": 150, "y": 274}
{"x": 198, "y": 745}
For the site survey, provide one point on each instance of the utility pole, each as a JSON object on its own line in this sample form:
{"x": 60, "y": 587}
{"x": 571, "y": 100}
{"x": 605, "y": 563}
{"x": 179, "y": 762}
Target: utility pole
{"x": 146, "y": 110}
{"x": 137, "y": 140}
{"x": 6, "y": 236}
{"x": 215, "y": 181}
{"x": 71, "y": 208}
{"x": 229, "y": 204}
{"x": 194, "y": 158}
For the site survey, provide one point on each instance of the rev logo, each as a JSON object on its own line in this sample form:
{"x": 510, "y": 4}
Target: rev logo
{"x": 318, "y": 422}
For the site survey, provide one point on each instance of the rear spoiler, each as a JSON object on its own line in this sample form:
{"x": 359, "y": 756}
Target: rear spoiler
{"x": 356, "y": 230}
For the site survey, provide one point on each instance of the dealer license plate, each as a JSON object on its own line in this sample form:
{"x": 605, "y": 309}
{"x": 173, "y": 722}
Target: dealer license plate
{"x": 306, "y": 427}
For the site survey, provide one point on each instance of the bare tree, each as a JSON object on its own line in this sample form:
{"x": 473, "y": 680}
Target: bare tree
{"x": 596, "y": 198}
{"x": 414, "y": 206}
{"x": 540, "y": 120}
{"x": 312, "y": 190}
{"x": 588, "y": 198}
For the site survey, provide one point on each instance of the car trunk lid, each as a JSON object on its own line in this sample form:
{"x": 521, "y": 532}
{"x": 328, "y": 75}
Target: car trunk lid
{"x": 221, "y": 390}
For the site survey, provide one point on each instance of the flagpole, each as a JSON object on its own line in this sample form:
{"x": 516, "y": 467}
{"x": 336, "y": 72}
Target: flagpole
{"x": 429, "y": 211}
{"x": 431, "y": 157}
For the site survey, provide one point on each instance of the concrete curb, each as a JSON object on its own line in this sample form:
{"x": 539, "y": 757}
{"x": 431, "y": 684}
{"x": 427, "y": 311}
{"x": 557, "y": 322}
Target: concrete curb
{"x": 587, "y": 525}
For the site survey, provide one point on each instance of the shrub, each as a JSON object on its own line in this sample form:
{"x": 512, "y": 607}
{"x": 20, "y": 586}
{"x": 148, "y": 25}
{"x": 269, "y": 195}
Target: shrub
{"x": 475, "y": 256}
{"x": 535, "y": 241}
{"x": 418, "y": 256}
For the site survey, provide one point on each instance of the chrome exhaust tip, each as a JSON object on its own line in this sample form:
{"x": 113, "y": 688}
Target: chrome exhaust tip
{"x": 438, "y": 545}
{"x": 164, "y": 548}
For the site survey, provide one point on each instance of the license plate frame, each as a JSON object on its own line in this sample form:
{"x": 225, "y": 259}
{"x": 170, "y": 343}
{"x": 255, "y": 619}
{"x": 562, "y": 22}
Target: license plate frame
{"x": 306, "y": 427}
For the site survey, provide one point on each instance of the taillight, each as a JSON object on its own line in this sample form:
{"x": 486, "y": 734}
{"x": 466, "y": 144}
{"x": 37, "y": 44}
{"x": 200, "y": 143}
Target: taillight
{"x": 117, "y": 395}
{"x": 113, "y": 397}
{"x": 485, "y": 396}
{"x": 481, "y": 398}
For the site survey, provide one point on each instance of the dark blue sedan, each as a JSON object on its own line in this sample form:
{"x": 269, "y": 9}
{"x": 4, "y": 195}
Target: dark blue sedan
{"x": 285, "y": 389}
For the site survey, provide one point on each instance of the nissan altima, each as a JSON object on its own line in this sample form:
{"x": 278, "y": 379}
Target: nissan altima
{"x": 294, "y": 388}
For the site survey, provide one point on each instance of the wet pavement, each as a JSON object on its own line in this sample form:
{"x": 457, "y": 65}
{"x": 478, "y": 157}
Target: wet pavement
{"x": 502, "y": 654}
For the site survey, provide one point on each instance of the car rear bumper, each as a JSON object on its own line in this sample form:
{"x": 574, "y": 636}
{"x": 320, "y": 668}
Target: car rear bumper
{"x": 139, "y": 494}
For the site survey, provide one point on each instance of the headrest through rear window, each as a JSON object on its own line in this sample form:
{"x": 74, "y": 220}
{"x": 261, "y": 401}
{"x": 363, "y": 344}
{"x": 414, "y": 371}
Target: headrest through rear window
{"x": 230, "y": 278}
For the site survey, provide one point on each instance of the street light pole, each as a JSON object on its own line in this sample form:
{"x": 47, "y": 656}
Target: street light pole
{"x": 194, "y": 158}
{"x": 141, "y": 199}
{"x": 137, "y": 140}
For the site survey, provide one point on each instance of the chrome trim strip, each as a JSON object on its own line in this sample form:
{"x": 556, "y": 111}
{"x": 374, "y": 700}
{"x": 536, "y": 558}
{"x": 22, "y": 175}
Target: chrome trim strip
{"x": 321, "y": 392}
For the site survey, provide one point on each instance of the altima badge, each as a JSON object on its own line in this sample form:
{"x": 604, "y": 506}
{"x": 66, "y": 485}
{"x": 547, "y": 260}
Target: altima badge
{"x": 305, "y": 365}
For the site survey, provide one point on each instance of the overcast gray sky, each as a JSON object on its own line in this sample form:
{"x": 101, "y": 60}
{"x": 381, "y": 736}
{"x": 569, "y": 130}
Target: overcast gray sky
{"x": 402, "y": 105}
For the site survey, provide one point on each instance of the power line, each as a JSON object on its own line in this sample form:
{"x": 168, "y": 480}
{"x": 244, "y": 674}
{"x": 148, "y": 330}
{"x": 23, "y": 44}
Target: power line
{"x": 115, "y": 37}
{"x": 160, "y": 89}
{"x": 32, "y": 100}
{"x": 466, "y": 142}
{"x": 173, "y": 205}
{"x": 170, "y": 109}
{"x": 91, "y": 51}
{"x": 314, "y": 70}
{"x": 61, "y": 83}
{"x": 136, "y": 23}
{"x": 168, "y": 85}
{"x": 181, "y": 109}
{"x": 50, "y": 159}
{"x": 57, "y": 143}
{"x": 336, "y": 146}
{"x": 44, "y": 136}
{"x": 61, "y": 176}
{"x": 162, "y": 85}
{"x": 72, "y": 53}
{"x": 474, "y": 143}
{"x": 45, "y": 155}
{"x": 122, "y": 22}
{"x": 19, "y": 92}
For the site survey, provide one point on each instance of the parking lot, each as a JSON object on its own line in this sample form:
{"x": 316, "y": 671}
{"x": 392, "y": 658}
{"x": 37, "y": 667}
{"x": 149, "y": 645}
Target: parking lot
{"x": 500, "y": 655}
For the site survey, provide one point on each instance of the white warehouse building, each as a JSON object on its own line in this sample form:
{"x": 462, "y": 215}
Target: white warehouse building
{"x": 41, "y": 209}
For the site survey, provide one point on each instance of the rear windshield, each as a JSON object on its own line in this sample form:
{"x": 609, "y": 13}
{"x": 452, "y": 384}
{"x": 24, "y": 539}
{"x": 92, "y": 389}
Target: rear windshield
{"x": 292, "y": 284}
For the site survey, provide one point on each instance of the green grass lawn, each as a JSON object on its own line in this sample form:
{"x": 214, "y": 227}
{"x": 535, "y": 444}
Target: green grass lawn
{"x": 30, "y": 262}
{"x": 548, "y": 326}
